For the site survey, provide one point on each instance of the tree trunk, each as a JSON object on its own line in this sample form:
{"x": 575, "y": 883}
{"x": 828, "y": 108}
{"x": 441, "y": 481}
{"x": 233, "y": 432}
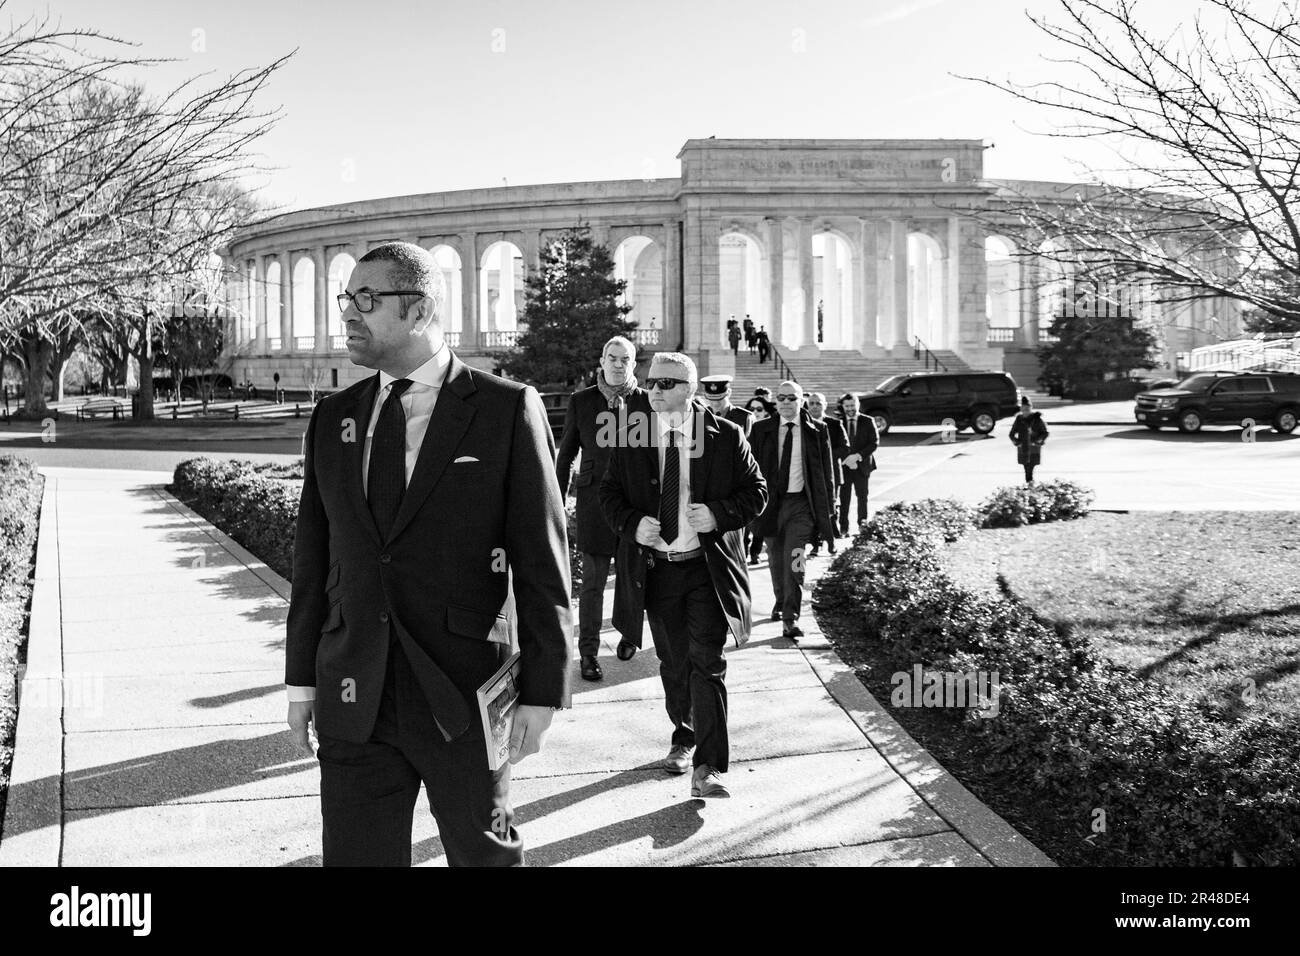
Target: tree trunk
{"x": 36, "y": 353}
{"x": 144, "y": 409}
{"x": 58, "y": 366}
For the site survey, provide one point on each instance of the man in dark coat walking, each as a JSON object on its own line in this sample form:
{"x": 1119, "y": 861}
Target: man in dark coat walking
{"x": 594, "y": 417}
{"x": 857, "y": 458}
{"x": 679, "y": 497}
{"x": 835, "y": 431}
{"x": 794, "y": 453}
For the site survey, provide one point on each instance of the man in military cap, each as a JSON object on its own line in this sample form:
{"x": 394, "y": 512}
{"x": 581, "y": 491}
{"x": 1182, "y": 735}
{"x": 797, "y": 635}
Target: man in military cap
{"x": 717, "y": 393}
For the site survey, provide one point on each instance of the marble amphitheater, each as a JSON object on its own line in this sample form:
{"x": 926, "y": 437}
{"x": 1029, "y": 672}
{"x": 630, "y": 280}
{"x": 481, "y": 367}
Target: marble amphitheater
{"x": 855, "y": 256}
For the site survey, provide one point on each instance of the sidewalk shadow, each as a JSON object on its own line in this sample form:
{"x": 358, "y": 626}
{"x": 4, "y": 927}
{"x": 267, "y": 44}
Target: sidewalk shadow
{"x": 168, "y": 776}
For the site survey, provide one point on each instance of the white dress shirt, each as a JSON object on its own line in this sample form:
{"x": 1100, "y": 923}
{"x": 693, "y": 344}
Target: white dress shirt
{"x": 687, "y": 539}
{"x": 417, "y": 404}
{"x": 796, "y": 454}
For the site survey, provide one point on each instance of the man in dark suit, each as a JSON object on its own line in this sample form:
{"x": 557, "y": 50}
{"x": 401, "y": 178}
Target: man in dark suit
{"x": 429, "y": 501}
{"x": 835, "y": 431}
{"x": 594, "y": 417}
{"x": 794, "y": 453}
{"x": 716, "y": 390}
{"x": 678, "y": 494}
{"x": 857, "y": 458}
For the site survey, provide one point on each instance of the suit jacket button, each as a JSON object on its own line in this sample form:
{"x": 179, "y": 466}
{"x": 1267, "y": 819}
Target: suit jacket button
{"x": 385, "y": 558}
{"x": 383, "y": 617}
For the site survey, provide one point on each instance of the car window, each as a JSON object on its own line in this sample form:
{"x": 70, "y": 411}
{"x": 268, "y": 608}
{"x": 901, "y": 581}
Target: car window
{"x": 1255, "y": 384}
{"x": 918, "y": 386}
{"x": 1230, "y": 386}
{"x": 943, "y": 386}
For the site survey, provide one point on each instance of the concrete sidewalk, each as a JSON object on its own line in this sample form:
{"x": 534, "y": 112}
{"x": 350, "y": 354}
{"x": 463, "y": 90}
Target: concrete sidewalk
{"x": 151, "y": 728}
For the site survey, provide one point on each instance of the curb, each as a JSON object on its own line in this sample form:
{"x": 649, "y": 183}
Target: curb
{"x": 33, "y": 824}
{"x": 991, "y": 836}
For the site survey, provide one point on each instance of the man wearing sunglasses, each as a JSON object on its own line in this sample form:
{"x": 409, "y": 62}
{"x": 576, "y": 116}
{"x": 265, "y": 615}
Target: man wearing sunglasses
{"x": 794, "y": 453}
{"x": 678, "y": 503}
{"x": 429, "y": 498}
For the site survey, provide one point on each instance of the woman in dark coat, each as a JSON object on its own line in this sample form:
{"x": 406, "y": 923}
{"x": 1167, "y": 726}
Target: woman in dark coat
{"x": 1028, "y": 434}
{"x": 761, "y": 409}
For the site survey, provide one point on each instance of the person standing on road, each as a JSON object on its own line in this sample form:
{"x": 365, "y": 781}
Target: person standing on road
{"x": 1028, "y": 432}
{"x": 594, "y": 413}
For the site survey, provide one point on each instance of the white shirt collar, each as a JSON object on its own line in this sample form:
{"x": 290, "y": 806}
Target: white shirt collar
{"x": 431, "y": 373}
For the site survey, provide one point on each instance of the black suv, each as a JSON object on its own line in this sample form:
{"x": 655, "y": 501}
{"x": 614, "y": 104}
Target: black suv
{"x": 1223, "y": 398}
{"x": 971, "y": 399}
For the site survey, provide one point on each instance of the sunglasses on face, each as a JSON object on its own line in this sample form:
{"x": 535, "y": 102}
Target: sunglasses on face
{"x": 787, "y": 398}
{"x": 664, "y": 384}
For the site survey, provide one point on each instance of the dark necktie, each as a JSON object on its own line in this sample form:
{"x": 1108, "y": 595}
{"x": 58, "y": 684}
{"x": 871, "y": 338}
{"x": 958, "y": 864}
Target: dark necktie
{"x": 787, "y": 449}
{"x": 669, "y": 489}
{"x": 852, "y": 426}
{"x": 387, "y": 476}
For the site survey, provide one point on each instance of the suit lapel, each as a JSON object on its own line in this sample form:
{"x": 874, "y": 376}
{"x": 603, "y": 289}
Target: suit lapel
{"x": 447, "y": 426}
{"x": 701, "y": 463}
{"x": 354, "y": 452}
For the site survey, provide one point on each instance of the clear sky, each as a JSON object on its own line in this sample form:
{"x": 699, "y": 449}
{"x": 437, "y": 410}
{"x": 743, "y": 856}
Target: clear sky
{"x": 391, "y": 97}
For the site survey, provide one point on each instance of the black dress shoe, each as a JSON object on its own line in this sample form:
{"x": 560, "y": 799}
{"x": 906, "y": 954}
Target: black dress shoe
{"x": 776, "y": 613}
{"x": 591, "y": 668}
{"x": 626, "y": 650}
{"x": 793, "y": 632}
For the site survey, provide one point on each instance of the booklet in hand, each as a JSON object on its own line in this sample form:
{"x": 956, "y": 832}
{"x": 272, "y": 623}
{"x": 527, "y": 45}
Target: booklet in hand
{"x": 497, "y": 700}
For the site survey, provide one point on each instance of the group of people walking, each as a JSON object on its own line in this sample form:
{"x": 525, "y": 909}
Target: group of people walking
{"x": 427, "y": 481}
{"x": 755, "y": 338}
{"x": 673, "y": 496}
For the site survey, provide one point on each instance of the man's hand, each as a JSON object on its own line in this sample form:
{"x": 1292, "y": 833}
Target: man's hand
{"x": 647, "y": 532}
{"x": 531, "y": 724}
{"x": 851, "y": 461}
{"x": 302, "y": 722}
{"x": 700, "y": 518}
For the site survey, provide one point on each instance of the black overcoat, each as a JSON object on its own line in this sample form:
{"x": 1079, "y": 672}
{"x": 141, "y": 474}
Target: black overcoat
{"x": 819, "y": 484}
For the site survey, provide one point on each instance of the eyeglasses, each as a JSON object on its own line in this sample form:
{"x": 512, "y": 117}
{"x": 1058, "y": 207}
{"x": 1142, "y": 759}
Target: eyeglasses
{"x": 666, "y": 384}
{"x": 787, "y": 398}
{"x": 365, "y": 301}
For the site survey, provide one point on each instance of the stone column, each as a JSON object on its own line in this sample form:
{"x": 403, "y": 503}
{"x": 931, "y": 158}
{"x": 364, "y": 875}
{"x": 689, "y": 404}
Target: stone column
{"x": 1027, "y": 330}
{"x": 804, "y": 252}
{"x": 469, "y": 292}
{"x": 321, "y": 300}
{"x": 670, "y": 323}
{"x": 953, "y": 287}
{"x": 286, "y": 301}
{"x": 831, "y": 318}
{"x": 532, "y": 250}
{"x": 506, "y": 286}
{"x": 866, "y": 290}
{"x": 898, "y": 283}
{"x": 259, "y": 305}
{"x": 776, "y": 268}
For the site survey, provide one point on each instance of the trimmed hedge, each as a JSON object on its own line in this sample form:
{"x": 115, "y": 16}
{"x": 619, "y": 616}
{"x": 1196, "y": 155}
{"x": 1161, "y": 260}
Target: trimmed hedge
{"x": 1178, "y": 784}
{"x": 258, "y": 511}
{"x": 20, "y": 507}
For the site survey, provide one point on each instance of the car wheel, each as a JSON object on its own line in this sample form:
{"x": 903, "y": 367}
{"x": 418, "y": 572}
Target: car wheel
{"x": 1154, "y": 428}
{"x": 882, "y": 422}
{"x": 1285, "y": 421}
{"x": 1190, "y": 421}
{"x": 982, "y": 420}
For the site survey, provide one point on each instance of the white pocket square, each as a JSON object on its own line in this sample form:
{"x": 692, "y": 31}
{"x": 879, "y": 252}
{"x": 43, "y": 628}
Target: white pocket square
{"x": 464, "y": 458}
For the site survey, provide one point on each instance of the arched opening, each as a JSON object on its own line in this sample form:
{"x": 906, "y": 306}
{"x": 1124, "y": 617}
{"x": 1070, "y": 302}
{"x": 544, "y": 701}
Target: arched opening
{"x": 304, "y": 302}
{"x": 832, "y": 291}
{"x": 925, "y": 288}
{"x": 501, "y": 287}
{"x": 638, "y": 261}
{"x": 273, "y": 304}
{"x": 448, "y": 260}
{"x": 740, "y": 282}
{"x": 1002, "y": 301}
{"x": 340, "y": 271}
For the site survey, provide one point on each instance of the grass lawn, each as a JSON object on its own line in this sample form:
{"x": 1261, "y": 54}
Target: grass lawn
{"x": 1204, "y": 602}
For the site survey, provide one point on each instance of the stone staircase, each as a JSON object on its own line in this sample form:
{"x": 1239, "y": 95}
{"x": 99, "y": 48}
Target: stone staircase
{"x": 833, "y": 373}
